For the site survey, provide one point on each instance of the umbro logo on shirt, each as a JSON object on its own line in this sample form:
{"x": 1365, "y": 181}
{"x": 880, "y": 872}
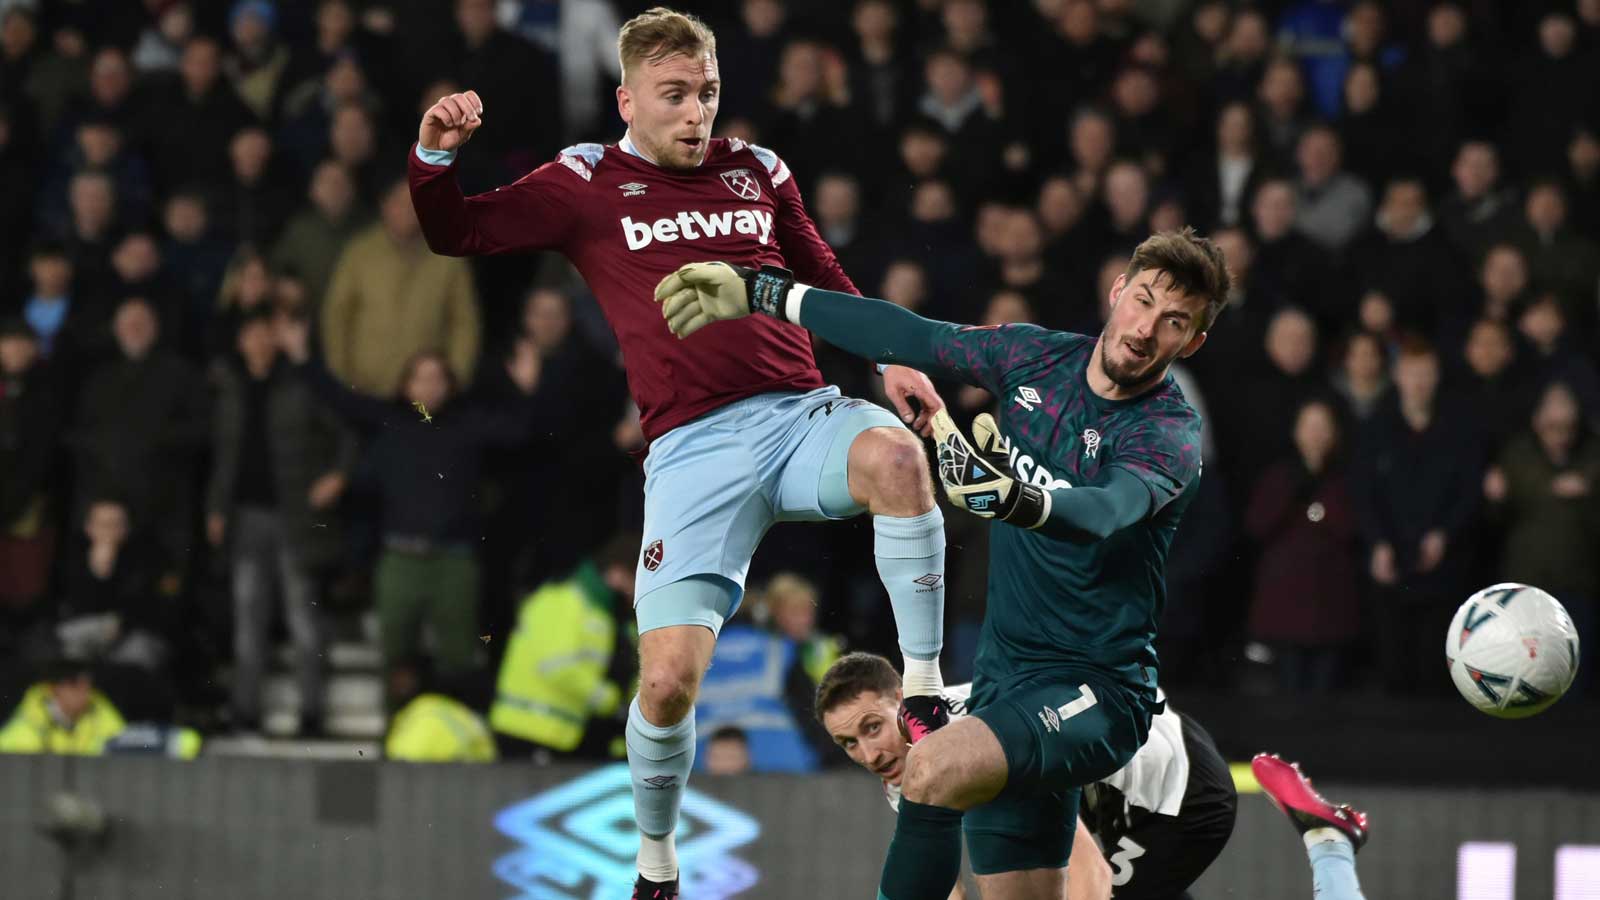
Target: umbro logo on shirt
{"x": 632, "y": 189}
{"x": 1027, "y": 397}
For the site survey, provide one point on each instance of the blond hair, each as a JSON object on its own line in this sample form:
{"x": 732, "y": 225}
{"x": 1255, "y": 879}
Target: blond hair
{"x": 659, "y": 33}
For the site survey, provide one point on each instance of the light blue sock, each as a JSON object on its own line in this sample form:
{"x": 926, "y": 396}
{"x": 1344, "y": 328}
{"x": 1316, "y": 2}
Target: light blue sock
{"x": 910, "y": 557}
{"x": 1333, "y": 869}
{"x": 659, "y": 760}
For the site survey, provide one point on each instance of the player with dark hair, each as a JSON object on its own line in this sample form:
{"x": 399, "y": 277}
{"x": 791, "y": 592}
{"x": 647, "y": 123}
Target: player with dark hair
{"x": 1094, "y": 458}
{"x": 743, "y": 433}
{"x": 1161, "y": 819}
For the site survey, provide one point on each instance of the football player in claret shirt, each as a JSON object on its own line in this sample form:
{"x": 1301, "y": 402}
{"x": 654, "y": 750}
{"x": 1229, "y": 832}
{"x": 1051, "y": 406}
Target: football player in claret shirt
{"x": 1093, "y": 459}
{"x": 743, "y": 433}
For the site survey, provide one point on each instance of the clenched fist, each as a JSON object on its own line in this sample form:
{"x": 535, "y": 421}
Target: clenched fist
{"x": 450, "y": 123}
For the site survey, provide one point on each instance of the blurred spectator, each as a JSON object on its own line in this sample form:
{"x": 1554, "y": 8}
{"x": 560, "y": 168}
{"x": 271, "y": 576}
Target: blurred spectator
{"x": 758, "y": 684}
{"x": 568, "y": 664}
{"x": 353, "y": 144}
{"x": 280, "y": 463}
{"x": 1407, "y": 259}
{"x": 1492, "y": 385}
{"x": 1241, "y": 54}
{"x": 31, "y": 414}
{"x": 1258, "y": 428}
{"x": 196, "y": 259}
{"x": 99, "y": 144}
{"x": 1223, "y": 180}
{"x": 423, "y": 464}
{"x": 200, "y": 114}
{"x": 728, "y": 752}
{"x": 68, "y": 325}
{"x": 257, "y": 62}
{"x": 748, "y": 55}
{"x": 63, "y": 714}
{"x": 91, "y": 233}
{"x": 1368, "y": 125}
{"x": 115, "y": 601}
{"x": 1306, "y": 604}
{"x": 583, "y": 38}
{"x": 1480, "y": 209}
{"x": 1362, "y": 377}
{"x": 1333, "y": 205}
{"x": 136, "y": 261}
{"x": 1283, "y": 119}
{"x": 258, "y": 197}
{"x": 160, "y": 46}
{"x": 1287, "y": 268}
{"x": 1583, "y": 176}
{"x": 791, "y": 601}
{"x": 438, "y": 728}
{"x": 1503, "y": 281}
{"x": 391, "y": 298}
{"x": 1415, "y": 482}
{"x": 1541, "y": 120}
{"x": 311, "y": 244}
{"x": 1542, "y": 488}
{"x": 141, "y": 422}
{"x": 309, "y": 107}
{"x": 809, "y": 113}
{"x": 1560, "y": 260}
{"x": 954, "y": 101}
{"x": 1126, "y": 194}
{"x": 882, "y": 79}
{"x": 1555, "y": 355}
{"x": 836, "y": 205}
{"x": 509, "y": 73}
{"x": 1092, "y": 139}
{"x": 1443, "y": 83}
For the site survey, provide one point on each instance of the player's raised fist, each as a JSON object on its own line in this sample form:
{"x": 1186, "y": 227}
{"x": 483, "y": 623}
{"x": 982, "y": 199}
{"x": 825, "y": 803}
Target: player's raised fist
{"x": 450, "y": 122}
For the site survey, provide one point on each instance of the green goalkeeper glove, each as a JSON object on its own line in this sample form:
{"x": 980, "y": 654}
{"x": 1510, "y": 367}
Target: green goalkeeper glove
{"x": 701, "y": 293}
{"x": 981, "y": 480}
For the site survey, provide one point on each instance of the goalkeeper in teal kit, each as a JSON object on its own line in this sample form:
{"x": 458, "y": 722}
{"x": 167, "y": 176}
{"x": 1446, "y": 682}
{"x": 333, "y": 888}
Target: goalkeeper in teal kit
{"x": 1091, "y": 463}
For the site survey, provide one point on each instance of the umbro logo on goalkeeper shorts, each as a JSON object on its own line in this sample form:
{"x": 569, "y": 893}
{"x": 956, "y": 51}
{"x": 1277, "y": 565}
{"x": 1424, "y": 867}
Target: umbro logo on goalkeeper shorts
{"x": 653, "y": 555}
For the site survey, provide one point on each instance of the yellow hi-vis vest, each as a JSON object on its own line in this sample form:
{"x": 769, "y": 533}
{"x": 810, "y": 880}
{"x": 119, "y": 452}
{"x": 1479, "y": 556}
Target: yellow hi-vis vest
{"x": 553, "y": 677}
{"x": 436, "y": 728}
{"x": 33, "y": 729}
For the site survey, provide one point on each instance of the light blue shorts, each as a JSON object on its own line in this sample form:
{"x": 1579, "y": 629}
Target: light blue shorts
{"x": 714, "y": 486}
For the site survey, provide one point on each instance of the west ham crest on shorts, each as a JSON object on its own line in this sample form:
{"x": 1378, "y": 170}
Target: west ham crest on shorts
{"x": 742, "y": 183}
{"x": 653, "y": 555}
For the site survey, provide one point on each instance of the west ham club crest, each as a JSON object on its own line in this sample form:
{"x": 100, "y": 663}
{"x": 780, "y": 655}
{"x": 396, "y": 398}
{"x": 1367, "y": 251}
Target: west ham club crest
{"x": 742, "y": 183}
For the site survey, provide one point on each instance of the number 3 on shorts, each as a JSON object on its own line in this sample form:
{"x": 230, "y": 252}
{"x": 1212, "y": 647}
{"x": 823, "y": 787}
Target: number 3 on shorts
{"x": 1122, "y": 861}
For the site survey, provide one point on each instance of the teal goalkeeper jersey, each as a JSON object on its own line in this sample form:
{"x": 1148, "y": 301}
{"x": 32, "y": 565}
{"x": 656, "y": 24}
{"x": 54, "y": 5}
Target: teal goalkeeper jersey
{"x": 1063, "y": 603}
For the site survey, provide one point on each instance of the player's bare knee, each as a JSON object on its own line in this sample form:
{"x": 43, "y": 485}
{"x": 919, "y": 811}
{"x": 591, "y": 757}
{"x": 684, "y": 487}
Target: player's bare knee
{"x": 666, "y": 694}
{"x": 895, "y": 470}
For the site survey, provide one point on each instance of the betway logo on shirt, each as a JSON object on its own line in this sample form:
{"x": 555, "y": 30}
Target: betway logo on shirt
{"x": 693, "y": 225}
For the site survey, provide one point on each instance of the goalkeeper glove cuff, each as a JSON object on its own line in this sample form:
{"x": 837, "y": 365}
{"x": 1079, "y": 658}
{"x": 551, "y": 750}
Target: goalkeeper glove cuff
{"x": 767, "y": 288}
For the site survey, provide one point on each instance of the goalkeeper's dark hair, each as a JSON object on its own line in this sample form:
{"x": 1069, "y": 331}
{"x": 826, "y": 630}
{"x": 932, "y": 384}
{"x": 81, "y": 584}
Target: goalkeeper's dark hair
{"x": 851, "y": 676}
{"x": 1190, "y": 264}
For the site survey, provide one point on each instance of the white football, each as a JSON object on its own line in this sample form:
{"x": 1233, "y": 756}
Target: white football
{"x": 1512, "y": 650}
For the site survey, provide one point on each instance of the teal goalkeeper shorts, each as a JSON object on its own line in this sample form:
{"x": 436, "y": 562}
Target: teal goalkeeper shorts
{"x": 1060, "y": 731}
{"x": 714, "y": 486}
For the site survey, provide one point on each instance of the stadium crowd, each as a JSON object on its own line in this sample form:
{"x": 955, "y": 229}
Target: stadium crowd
{"x": 234, "y": 380}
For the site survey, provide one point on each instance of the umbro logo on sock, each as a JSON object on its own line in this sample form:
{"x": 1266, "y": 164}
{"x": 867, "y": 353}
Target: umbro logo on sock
{"x": 929, "y": 582}
{"x": 660, "y": 782}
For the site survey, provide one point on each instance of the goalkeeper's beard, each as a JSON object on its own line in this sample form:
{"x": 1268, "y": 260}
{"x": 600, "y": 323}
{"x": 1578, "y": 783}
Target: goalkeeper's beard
{"x": 1123, "y": 376}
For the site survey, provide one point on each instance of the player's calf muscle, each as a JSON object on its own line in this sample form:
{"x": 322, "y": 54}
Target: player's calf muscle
{"x": 889, "y": 473}
{"x": 958, "y": 767}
